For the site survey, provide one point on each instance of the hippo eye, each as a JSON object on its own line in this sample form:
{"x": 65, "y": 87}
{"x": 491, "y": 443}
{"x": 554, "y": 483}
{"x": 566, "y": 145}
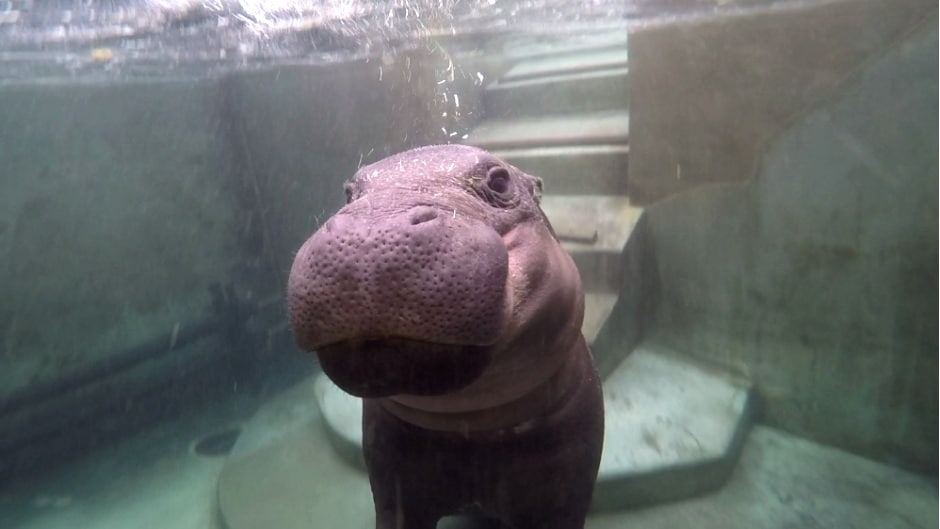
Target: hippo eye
{"x": 497, "y": 187}
{"x": 349, "y": 192}
{"x": 497, "y": 180}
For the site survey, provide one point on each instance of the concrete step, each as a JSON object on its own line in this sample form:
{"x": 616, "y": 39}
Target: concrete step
{"x": 594, "y": 128}
{"x": 587, "y": 90}
{"x": 574, "y": 169}
{"x": 594, "y": 229}
{"x": 674, "y": 428}
{"x": 532, "y": 46}
{"x": 568, "y": 61}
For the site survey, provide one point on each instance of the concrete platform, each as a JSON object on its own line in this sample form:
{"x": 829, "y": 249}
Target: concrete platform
{"x": 673, "y": 429}
{"x": 153, "y": 481}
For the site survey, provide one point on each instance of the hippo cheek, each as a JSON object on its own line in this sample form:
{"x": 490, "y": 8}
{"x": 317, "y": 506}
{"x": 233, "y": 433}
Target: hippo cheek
{"x": 390, "y": 303}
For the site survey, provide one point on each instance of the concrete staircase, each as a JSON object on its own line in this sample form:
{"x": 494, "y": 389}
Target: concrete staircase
{"x": 560, "y": 112}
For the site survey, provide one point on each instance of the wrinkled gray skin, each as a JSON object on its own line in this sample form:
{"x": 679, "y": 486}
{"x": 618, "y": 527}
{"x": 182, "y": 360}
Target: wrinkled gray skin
{"x": 440, "y": 294}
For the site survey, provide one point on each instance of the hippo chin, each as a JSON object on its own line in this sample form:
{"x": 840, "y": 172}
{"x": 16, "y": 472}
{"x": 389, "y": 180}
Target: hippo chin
{"x": 440, "y": 295}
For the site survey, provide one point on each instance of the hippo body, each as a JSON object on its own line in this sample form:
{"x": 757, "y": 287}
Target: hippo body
{"x": 441, "y": 296}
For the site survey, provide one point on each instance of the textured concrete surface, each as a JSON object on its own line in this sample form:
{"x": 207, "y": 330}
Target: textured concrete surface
{"x": 785, "y": 482}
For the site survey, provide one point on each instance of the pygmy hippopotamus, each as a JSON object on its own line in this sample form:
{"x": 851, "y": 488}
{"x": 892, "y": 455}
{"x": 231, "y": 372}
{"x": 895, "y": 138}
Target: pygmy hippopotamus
{"x": 440, "y": 295}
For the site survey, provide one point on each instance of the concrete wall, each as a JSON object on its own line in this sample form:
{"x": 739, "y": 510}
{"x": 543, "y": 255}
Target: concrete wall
{"x": 818, "y": 278}
{"x": 114, "y": 219}
{"x": 708, "y": 92}
{"x": 120, "y": 204}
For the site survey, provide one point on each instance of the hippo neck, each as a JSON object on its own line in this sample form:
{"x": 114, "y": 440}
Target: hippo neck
{"x": 576, "y": 370}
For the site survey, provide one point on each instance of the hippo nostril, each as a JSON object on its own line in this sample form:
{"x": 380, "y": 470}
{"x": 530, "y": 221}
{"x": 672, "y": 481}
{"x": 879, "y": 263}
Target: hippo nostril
{"x": 422, "y": 215}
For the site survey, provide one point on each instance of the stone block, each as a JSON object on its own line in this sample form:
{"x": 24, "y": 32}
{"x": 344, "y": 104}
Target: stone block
{"x": 707, "y": 92}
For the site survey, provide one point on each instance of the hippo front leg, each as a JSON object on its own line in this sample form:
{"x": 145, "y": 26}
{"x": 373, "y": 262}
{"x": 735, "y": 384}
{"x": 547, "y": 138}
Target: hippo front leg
{"x": 408, "y": 484}
{"x": 403, "y": 516}
{"x": 557, "y": 466}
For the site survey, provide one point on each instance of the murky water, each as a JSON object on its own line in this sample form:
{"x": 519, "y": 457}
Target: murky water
{"x": 162, "y": 160}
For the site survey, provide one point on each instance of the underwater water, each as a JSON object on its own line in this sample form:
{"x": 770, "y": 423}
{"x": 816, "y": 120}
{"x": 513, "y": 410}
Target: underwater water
{"x": 748, "y": 190}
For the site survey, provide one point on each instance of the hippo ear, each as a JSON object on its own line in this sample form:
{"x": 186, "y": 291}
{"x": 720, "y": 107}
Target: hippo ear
{"x": 534, "y": 185}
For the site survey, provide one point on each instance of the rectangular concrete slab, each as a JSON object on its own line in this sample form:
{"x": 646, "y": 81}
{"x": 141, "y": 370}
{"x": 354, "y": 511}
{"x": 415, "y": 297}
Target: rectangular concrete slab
{"x": 580, "y": 129}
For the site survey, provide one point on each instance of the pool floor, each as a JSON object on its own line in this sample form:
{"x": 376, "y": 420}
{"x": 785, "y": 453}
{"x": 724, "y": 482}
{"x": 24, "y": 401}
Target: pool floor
{"x": 156, "y": 480}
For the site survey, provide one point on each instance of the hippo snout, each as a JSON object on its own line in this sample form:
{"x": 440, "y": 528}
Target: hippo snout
{"x": 421, "y": 274}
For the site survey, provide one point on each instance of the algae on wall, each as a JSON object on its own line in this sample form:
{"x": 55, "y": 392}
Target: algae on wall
{"x": 818, "y": 278}
{"x": 114, "y": 219}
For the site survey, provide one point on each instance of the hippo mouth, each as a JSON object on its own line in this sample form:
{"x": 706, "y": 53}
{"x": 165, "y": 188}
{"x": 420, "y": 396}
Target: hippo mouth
{"x": 407, "y": 303}
{"x": 381, "y": 367}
